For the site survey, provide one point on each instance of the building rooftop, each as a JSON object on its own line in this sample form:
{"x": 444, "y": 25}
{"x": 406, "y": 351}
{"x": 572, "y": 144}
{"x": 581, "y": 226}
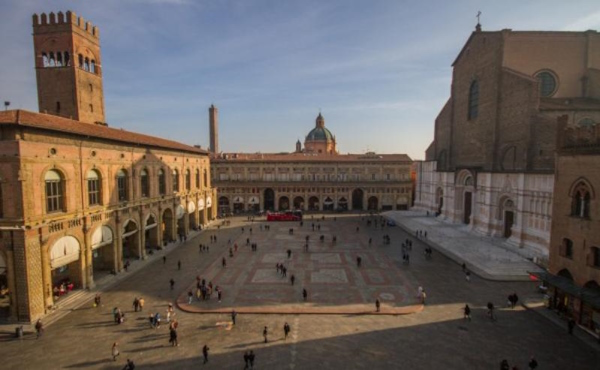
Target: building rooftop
{"x": 309, "y": 157}
{"x": 69, "y": 126}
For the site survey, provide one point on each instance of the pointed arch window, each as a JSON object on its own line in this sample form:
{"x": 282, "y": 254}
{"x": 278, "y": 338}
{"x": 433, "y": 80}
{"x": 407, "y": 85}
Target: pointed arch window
{"x": 94, "y": 187}
{"x": 205, "y": 179}
{"x": 67, "y": 59}
{"x": 122, "y": 185}
{"x": 188, "y": 180}
{"x": 54, "y": 191}
{"x": 162, "y": 182}
{"x": 144, "y": 184}
{"x": 580, "y": 201}
{"x": 45, "y": 60}
{"x": 197, "y": 179}
{"x": 93, "y": 66}
{"x": 474, "y": 100}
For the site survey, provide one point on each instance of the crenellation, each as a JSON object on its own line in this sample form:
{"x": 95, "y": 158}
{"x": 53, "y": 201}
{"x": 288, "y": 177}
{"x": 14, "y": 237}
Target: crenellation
{"x": 60, "y": 17}
{"x": 52, "y": 18}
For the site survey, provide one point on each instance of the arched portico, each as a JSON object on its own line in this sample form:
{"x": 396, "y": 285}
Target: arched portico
{"x": 131, "y": 240}
{"x": 357, "y": 199}
{"x": 151, "y": 233}
{"x": 269, "y": 199}
{"x": 313, "y": 204}
{"x": 284, "y": 203}
{"x": 299, "y": 203}
{"x": 103, "y": 251}
{"x": 373, "y": 203}
{"x": 65, "y": 266}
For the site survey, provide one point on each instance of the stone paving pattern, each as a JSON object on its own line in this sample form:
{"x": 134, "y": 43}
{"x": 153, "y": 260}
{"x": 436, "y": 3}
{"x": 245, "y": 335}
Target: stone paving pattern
{"x": 436, "y": 338}
{"x": 328, "y": 270}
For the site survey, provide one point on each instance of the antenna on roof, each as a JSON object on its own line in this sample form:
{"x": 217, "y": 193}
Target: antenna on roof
{"x": 478, "y": 26}
{"x": 6, "y": 104}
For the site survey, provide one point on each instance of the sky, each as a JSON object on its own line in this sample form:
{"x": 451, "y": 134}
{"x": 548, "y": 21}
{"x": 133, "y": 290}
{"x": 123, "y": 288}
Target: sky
{"x": 378, "y": 70}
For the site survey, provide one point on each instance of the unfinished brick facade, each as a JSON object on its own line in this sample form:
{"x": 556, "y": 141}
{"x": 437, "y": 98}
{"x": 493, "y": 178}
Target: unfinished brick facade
{"x": 495, "y": 137}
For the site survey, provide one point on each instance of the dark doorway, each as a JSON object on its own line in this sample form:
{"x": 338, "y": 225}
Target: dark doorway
{"x": 357, "y": 199}
{"x": 509, "y": 219}
{"x": 299, "y": 203}
{"x": 467, "y": 208}
{"x": 269, "y": 200}
{"x": 373, "y": 204}
{"x": 284, "y": 203}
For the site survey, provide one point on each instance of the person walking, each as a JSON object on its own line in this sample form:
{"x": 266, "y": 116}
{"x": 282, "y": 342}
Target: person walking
{"x": 304, "y": 294}
{"x": 172, "y": 283}
{"x": 164, "y": 260}
{"x": 39, "y": 328}
{"x": 173, "y": 337}
{"x": 190, "y": 297}
{"x": 205, "y": 350}
{"x": 423, "y": 297}
{"x": 468, "y": 276}
{"x": 377, "y": 304}
{"x": 467, "y": 311}
{"x": 141, "y": 303}
{"x": 115, "y": 351}
{"x": 233, "y": 316}
{"x": 286, "y": 330}
{"x": 129, "y": 365}
{"x": 292, "y": 279}
{"x": 179, "y": 265}
{"x": 533, "y": 363}
{"x": 246, "y": 360}
{"x": 251, "y": 359}
{"x": 358, "y": 261}
{"x": 136, "y": 304}
{"x": 289, "y": 253}
{"x": 224, "y": 262}
{"x": 265, "y": 334}
{"x": 490, "y": 312}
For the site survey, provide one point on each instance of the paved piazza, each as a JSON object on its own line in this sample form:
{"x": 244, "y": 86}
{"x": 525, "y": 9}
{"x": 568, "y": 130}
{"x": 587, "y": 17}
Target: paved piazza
{"x": 331, "y": 337}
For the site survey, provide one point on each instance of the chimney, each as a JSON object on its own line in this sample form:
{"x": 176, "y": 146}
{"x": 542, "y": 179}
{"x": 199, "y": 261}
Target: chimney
{"x": 213, "y": 119}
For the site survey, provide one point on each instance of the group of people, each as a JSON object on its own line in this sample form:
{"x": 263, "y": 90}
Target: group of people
{"x": 421, "y": 234}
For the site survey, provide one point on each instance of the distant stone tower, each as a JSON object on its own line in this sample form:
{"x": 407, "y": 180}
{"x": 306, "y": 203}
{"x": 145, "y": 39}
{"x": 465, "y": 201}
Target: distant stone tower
{"x": 298, "y": 146}
{"x": 68, "y": 67}
{"x": 213, "y": 118}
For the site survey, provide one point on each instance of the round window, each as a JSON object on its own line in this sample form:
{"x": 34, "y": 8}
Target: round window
{"x": 547, "y": 83}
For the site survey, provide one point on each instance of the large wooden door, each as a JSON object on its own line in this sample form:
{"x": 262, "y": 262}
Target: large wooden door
{"x": 467, "y": 207}
{"x": 509, "y": 219}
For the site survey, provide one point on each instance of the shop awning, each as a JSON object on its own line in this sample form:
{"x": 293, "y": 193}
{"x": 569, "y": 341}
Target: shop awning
{"x": 588, "y": 296}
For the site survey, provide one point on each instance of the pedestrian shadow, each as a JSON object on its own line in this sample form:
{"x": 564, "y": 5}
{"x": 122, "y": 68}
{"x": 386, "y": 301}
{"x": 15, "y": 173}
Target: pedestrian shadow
{"x": 141, "y": 349}
{"x": 92, "y": 325}
{"x": 89, "y": 363}
{"x": 257, "y": 343}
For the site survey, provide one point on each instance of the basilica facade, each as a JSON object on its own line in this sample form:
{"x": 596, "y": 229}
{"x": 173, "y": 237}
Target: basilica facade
{"x": 491, "y": 163}
{"x": 79, "y": 199}
{"x": 312, "y": 178}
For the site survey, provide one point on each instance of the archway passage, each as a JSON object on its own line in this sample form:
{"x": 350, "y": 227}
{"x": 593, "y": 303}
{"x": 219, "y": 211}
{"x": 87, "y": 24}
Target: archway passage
{"x": 357, "y": 199}
{"x": 103, "y": 251}
{"x": 191, "y": 210}
{"x": 328, "y": 204}
{"x": 238, "y": 205}
{"x": 254, "y": 204}
{"x": 65, "y": 266}
{"x": 313, "y": 204}
{"x": 5, "y": 300}
{"x": 269, "y": 200}
{"x": 509, "y": 219}
{"x": 131, "y": 240}
{"x": 299, "y": 203}
{"x": 201, "y": 212}
{"x": 373, "y": 204}
{"x": 223, "y": 205}
{"x": 342, "y": 204}
{"x": 167, "y": 226}
{"x": 180, "y": 214}
{"x": 284, "y": 203}
{"x": 467, "y": 207}
{"x": 151, "y": 235}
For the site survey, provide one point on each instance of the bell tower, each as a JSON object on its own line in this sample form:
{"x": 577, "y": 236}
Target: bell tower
{"x": 68, "y": 67}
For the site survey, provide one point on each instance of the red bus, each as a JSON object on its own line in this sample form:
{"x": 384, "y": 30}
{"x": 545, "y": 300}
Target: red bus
{"x": 284, "y": 216}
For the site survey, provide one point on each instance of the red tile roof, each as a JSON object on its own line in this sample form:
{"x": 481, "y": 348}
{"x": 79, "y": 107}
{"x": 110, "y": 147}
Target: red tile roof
{"x": 307, "y": 157}
{"x": 60, "y": 124}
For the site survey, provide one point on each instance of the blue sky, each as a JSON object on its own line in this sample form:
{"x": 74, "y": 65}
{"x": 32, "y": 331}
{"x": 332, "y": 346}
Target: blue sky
{"x": 379, "y": 71}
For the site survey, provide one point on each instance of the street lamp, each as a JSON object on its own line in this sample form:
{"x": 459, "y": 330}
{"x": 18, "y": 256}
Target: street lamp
{"x": 6, "y": 104}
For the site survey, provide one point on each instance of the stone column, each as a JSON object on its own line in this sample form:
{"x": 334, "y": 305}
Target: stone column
{"x": 118, "y": 244}
{"x": 88, "y": 260}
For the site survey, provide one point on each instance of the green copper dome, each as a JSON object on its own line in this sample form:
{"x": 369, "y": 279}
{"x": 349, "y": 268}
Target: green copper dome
{"x": 319, "y": 134}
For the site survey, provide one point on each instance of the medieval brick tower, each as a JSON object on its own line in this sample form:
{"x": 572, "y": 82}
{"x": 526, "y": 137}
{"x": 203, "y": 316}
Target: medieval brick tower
{"x": 213, "y": 118}
{"x": 68, "y": 67}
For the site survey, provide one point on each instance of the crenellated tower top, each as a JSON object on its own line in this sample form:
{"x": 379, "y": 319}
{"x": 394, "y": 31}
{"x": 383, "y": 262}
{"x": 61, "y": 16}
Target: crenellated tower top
{"x": 69, "y": 19}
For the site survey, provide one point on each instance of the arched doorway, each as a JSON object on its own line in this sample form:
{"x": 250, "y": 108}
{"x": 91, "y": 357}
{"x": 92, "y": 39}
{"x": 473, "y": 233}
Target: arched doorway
{"x": 439, "y": 198}
{"x": 180, "y": 213}
{"x": 131, "y": 240}
{"x": 223, "y": 207}
{"x": 284, "y": 203}
{"x": 103, "y": 252}
{"x": 238, "y": 204}
{"x": 313, "y": 204}
{"x": 191, "y": 209}
{"x": 254, "y": 204}
{"x": 467, "y": 207}
{"x": 299, "y": 203}
{"x": 565, "y": 273}
{"x": 201, "y": 211}
{"x": 342, "y": 204}
{"x": 508, "y": 217}
{"x": 150, "y": 232}
{"x": 328, "y": 204}
{"x": 269, "y": 200}
{"x": 65, "y": 266}
{"x": 373, "y": 204}
{"x": 357, "y": 199}
{"x": 167, "y": 226}
{"x": 5, "y": 299}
